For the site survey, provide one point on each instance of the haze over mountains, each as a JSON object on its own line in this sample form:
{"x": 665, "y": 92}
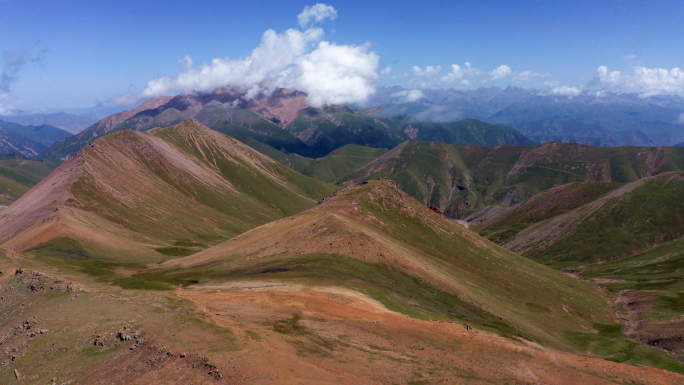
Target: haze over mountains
{"x": 604, "y": 119}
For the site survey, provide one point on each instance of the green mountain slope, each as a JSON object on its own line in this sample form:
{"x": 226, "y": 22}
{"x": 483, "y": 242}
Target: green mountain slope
{"x": 648, "y": 289}
{"x": 460, "y": 178}
{"x": 468, "y": 131}
{"x": 137, "y": 195}
{"x": 376, "y": 239}
{"x": 18, "y": 175}
{"x": 545, "y": 205}
{"x": 621, "y": 223}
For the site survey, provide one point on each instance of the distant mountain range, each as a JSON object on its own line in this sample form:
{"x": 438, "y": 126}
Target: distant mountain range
{"x": 28, "y": 141}
{"x": 285, "y": 121}
{"x": 607, "y": 119}
{"x": 67, "y": 122}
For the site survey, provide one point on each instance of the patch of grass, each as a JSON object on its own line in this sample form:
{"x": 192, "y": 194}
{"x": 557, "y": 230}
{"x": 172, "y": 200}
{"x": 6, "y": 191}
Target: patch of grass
{"x": 188, "y": 243}
{"x": 253, "y": 335}
{"x": 537, "y": 308}
{"x": 290, "y": 326}
{"x": 62, "y": 247}
{"x": 174, "y": 251}
{"x": 609, "y": 343}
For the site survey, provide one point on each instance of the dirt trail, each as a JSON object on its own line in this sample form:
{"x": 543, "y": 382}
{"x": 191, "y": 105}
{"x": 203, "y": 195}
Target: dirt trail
{"x": 304, "y": 334}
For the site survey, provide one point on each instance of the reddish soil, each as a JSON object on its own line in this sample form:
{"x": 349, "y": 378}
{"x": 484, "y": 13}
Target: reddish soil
{"x": 343, "y": 337}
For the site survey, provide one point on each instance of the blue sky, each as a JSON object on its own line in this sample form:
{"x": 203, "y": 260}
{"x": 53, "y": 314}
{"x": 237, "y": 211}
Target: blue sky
{"x": 78, "y": 53}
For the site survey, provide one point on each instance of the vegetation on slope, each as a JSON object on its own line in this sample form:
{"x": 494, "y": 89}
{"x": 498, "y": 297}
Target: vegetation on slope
{"x": 18, "y": 175}
{"x": 545, "y": 205}
{"x": 620, "y": 224}
{"x": 648, "y": 289}
{"x": 459, "y": 178}
{"x": 437, "y": 269}
{"x": 132, "y": 196}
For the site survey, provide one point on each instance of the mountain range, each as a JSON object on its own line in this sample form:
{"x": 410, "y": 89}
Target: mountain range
{"x": 285, "y": 121}
{"x": 29, "y": 141}
{"x": 71, "y": 123}
{"x": 212, "y": 237}
{"x": 605, "y": 119}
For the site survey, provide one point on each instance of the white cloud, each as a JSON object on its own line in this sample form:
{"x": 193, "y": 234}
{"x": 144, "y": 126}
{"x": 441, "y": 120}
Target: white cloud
{"x": 681, "y": 118}
{"x": 329, "y": 73}
{"x": 466, "y": 75}
{"x": 427, "y": 72}
{"x": 407, "y": 96}
{"x": 461, "y": 75}
{"x": 500, "y": 72}
{"x": 317, "y": 13}
{"x": 8, "y": 110}
{"x": 334, "y": 74}
{"x": 565, "y": 91}
{"x": 528, "y": 76}
{"x": 644, "y": 81}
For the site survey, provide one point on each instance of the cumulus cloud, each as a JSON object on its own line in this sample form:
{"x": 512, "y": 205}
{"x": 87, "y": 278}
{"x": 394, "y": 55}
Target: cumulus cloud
{"x": 528, "y": 76}
{"x": 569, "y": 91}
{"x": 466, "y": 76}
{"x": 300, "y": 59}
{"x": 317, "y": 13}
{"x": 407, "y": 96}
{"x": 461, "y": 75}
{"x": 644, "y": 81}
{"x": 334, "y": 74}
{"x": 501, "y": 72}
{"x": 431, "y": 76}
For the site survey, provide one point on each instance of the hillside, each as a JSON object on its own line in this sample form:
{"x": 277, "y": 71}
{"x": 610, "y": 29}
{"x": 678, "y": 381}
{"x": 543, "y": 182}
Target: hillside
{"x": 508, "y": 222}
{"x": 621, "y": 223}
{"x": 375, "y": 239}
{"x": 155, "y": 195}
{"x": 468, "y": 131}
{"x": 648, "y": 287}
{"x": 18, "y": 175}
{"x": 75, "y": 326}
{"x": 460, "y": 178}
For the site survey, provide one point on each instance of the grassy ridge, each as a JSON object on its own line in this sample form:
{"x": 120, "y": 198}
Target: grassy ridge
{"x": 458, "y": 178}
{"x": 151, "y": 189}
{"x": 613, "y": 227}
{"x": 542, "y": 206}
